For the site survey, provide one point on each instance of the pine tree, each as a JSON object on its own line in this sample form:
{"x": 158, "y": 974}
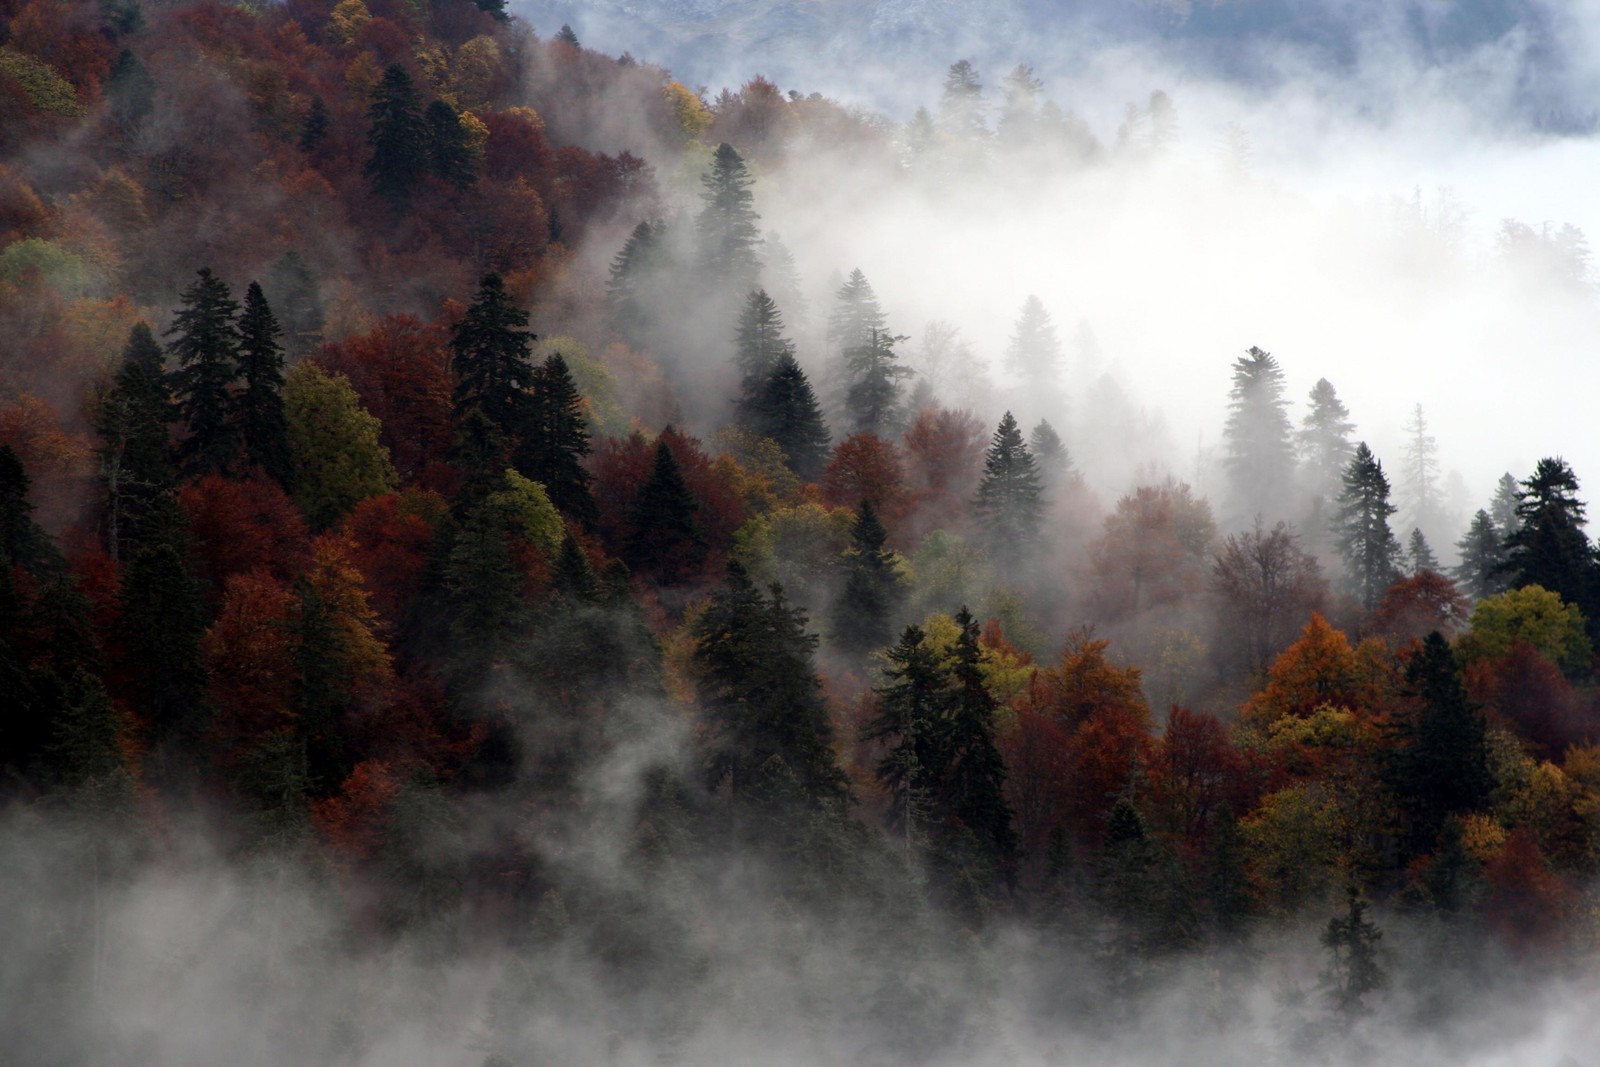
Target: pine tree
{"x": 450, "y": 155}
{"x": 314, "y": 130}
{"x": 762, "y": 698}
{"x": 873, "y": 396}
{"x": 758, "y": 345}
{"x": 131, "y": 421}
{"x": 398, "y": 135}
{"x": 975, "y": 788}
{"x": 664, "y": 539}
{"x": 554, "y": 440}
{"x": 1419, "y": 554}
{"x": 873, "y": 589}
{"x": 297, "y": 300}
{"x": 1361, "y": 530}
{"x": 1548, "y": 546}
{"x": 491, "y": 351}
{"x": 263, "y": 429}
{"x": 1482, "y": 548}
{"x": 727, "y": 227}
{"x": 1260, "y": 457}
{"x": 1034, "y": 354}
{"x": 1439, "y": 764}
{"x": 206, "y": 346}
{"x": 786, "y": 410}
{"x": 1420, "y": 478}
{"x": 1324, "y": 442}
{"x": 1010, "y": 498}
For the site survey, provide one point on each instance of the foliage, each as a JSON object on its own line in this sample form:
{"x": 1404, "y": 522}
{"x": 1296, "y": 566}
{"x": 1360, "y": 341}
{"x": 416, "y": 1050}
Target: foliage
{"x": 1531, "y": 615}
{"x": 337, "y": 459}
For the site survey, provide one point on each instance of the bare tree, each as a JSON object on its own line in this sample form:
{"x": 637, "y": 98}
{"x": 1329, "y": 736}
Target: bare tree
{"x": 1264, "y": 586}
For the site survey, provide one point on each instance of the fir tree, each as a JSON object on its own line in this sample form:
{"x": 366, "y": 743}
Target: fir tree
{"x": 1503, "y": 509}
{"x": 567, "y": 36}
{"x": 911, "y": 703}
{"x": 1323, "y": 442}
{"x": 665, "y": 540}
{"x": 1353, "y": 970}
{"x": 631, "y": 292}
{"x": 450, "y": 155}
{"x": 873, "y": 396}
{"x": 263, "y": 429}
{"x": 1439, "y": 765}
{"x": 1034, "y": 354}
{"x": 1050, "y": 453}
{"x": 1361, "y": 530}
{"x": 727, "y": 227}
{"x": 1010, "y": 498}
{"x": 1419, "y": 554}
{"x": 206, "y": 346}
{"x": 758, "y": 345}
{"x": 491, "y": 350}
{"x": 572, "y": 576}
{"x": 1420, "y": 478}
{"x": 555, "y": 438}
{"x": 786, "y": 410}
{"x": 761, "y": 695}
{"x": 314, "y": 130}
{"x": 398, "y": 135}
{"x": 483, "y": 584}
{"x": 1548, "y": 546}
{"x": 873, "y": 589}
{"x": 297, "y": 300}
{"x": 975, "y": 788}
{"x": 131, "y": 421}
{"x": 1260, "y": 457}
{"x": 1482, "y": 549}
{"x": 856, "y": 315}
{"x": 961, "y": 110}
{"x": 22, "y": 542}
{"x": 160, "y": 627}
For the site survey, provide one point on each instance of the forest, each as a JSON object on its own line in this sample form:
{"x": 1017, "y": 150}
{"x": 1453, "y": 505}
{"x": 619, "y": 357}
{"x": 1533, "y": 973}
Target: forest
{"x": 486, "y": 581}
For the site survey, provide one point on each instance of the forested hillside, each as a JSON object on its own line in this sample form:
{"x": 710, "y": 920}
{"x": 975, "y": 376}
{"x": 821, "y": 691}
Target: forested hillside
{"x": 473, "y": 591}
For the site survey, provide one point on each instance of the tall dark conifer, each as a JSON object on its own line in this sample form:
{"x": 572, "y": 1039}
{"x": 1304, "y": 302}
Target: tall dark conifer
{"x": 974, "y": 792}
{"x": 758, "y": 345}
{"x": 205, "y": 344}
{"x": 131, "y": 422}
{"x": 911, "y": 707}
{"x": 1483, "y": 554}
{"x": 555, "y": 438}
{"x": 786, "y": 410}
{"x": 633, "y": 293}
{"x": 1361, "y": 529}
{"x": 728, "y": 227}
{"x": 1010, "y": 498}
{"x": 1548, "y": 546}
{"x": 664, "y": 539}
{"x": 874, "y": 394}
{"x": 296, "y": 301}
{"x": 1260, "y": 455}
{"x": 491, "y": 348}
{"x": 398, "y": 135}
{"x": 1440, "y": 764}
{"x": 160, "y": 627}
{"x": 263, "y": 427}
{"x": 863, "y": 616}
{"x": 450, "y": 154}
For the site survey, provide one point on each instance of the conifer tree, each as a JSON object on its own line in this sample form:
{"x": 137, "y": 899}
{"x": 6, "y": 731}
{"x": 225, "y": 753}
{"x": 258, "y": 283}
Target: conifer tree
{"x": 131, "y": 421}
{"x": 160, "y": 627}
{"x": 1439, "y": 765}
{"x": 758, "y": 345}
{"x": 1419, "y": 554}
{"x": 22, "y": 542}
{"x": 314, "y": 130}
{"x": 1323, "y": 442}
{"x": 1353, "y": 969}
{"x": 1420, "y": 478}
{"x": 1548, "y": 546}
{"x": 131, "y": 92}
{"x": 206, "y": 346}
{"x": 483, "y": 586}
{"x": 974, "y": 791}
{"x": 555, "y": 438}
{"x": 263, "y": 429}
{"x": 632, "y": 292}
{"x": 1503, "y": 508}
{"x": 398, "y": 135}
{"x": 297, "y": 301}
{"x": 1034, "y": 354}
{"x": 856, "y": 315}
{"x": 873, "y": 589}
{"x": 961, "y": 110}
{"x": 567, "y": 36}
{"x": 665, "y": 540}
{"x": 873, "y": 396}
{"x": 450, "y": 155}
{"x": 1361, "y": 530}
{"x": 781, "y": 278}
{"x": 1010, "y": 498}
{"x": 786, "y": 410}
{"x": 911, "y": 703}
{"x": 727, "y": 227}
{"x": 480, "y": 454}
{"x": 1482, "y": 551}
{"x": 1260, "y": 456}
{"x": 572, "y": 576}
{"x": 762, "y": 698}
{"x": 1050, "y": 453}
{"x": 491, "y": 351}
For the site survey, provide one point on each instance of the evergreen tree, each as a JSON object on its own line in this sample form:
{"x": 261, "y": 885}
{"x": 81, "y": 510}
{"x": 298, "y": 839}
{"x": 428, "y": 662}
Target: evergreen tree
{"x": 1420, "y": 478}
{"x": 567, "y": 36}
{"x": 1353, "y": 969}
{"x": 873, "y": 396}
{"x": 1260, "y": 457}
{"x": 160, "y": 627}
{"x": 873, "y": 589}
{"x": 314, "y": 130}
{"x": 761, "y": 695}
{"x": 450, "y": 155}
{"x": 727, "y": 227}
{"x": 961, "y": 110}
{"x": 491, "y": 350}
{"x": 632, "y": 298}
{"x": 1419, "y": 554}
{"x": 1324, "y": 442}
{"x": 398, "y": 135}
{"x": 664, "y": 539}
{"x": 856, "y": 316}
{"x": 131, "y": 92}
{"x": 480, "y": 454}
{"x": 572, "y": 576}
{"x": 22, "y": 542}
{"x": 758, "y": 345}
{"x": 554, "y": 440}
{"x": 263, "y": 429}
{"x": 131, "y": 421}
{"x": 782, "y": 279}
{"x": 1439, "y": 765}
{"x": 1480, "y": 572}
{"x": 1366, "y": 545}
{"x": 786, "y": 410}
{"x": 1227, "y": 880}
{"x": 1050, "y": 453}
{"x": 1548, "y": 546}
{"x": 974, "y": 791}
{"x": 206, "y": 346}
{"x": 297, "y": 300}
{"x": 911, "y": 704}
{"x": 1503, "y": 509}
{"x": 483, "y": 585}
{"x": 1034, "y": 354}
{"x": 1010, "y": 498}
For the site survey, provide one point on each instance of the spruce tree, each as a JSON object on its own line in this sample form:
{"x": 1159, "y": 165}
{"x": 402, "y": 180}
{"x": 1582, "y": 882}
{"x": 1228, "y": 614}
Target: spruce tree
{"x": 1353, "y": 970}
{"x": 911, "y": 704}
{"x": 483, "y": 589}
{"x": 22, "y": 542}
{"x": 160, "y": 627}
{"x": 572, "y": 576}
{"x": 758, "y": 345}
{"x": 1419, "y": 554}
{"x": 131, "y": 422}
{"x": 1323, "y": 442}
{"x": 974, "y": 789}
{"x": 1439, "y": 764}
{"x": 664, "y": 539}
{"x": 1419, "y": 482}
{"x": 1503, "y": 508}
{"x": 762, "y": 699}
{"x": 633, "y": 297}
{"x": 873, "y": 397}
{"x": 206, "y": 346}
{"x": 491, "y": 348}
{"x": 263, "y": 429}
{"x": 856, "y": 315}
{"x": 567, "y": 36}
{"x": 450, "y": 155}
{"x": 1548, "y": 546}
{"x": 1260, "y": 456}
{"x": 727, "y": 227}
{"x": 1010, "y": 501}
{"x": 398, "y": 135}
{"x": 1034, "y": 354}
{"x": 1361, "y": 529}
{"x": 554, "y": 440}
{"x": 873, "y": 589}
{"x": 1482, "y": 549}
{"x": 1050, "y": 453}
{"x": 786, "y": 410}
